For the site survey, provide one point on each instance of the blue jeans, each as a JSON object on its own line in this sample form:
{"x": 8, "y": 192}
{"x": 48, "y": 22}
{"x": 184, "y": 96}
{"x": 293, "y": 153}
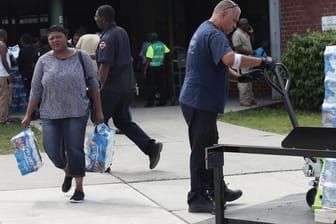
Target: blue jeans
{"x": 63, "y": 141}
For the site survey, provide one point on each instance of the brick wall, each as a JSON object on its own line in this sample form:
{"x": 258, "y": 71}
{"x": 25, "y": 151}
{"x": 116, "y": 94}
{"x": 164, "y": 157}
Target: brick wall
{"x": 297, "y": 16}
{"x": 260, "y": 88}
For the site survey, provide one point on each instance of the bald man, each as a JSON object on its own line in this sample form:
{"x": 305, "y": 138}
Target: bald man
{"x": 204, "y": 94}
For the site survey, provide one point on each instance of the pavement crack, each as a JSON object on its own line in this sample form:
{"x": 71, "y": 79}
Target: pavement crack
{"x": 129, "y": 184}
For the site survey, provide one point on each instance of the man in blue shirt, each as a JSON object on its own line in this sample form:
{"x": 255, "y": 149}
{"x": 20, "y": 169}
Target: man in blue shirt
{"x": 115, "y": 70}
{"x": 204, "y": 94}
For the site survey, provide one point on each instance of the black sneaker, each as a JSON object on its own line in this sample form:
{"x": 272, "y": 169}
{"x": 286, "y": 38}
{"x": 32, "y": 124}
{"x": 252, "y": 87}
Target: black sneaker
{"x": 77, "y": 197}
{"x": 231, "y": 195}
{"x": 154, "y": 157}
{"x": 66, "y": 184}
{"x": 202, "y": 203}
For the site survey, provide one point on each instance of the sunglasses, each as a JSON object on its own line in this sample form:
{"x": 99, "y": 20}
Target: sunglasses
{"x": 231, "y": 7}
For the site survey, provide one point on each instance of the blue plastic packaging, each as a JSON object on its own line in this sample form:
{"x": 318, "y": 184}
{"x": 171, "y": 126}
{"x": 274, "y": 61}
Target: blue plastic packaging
{"x": 100, "y": 149}
{"x": 26, "y": 152}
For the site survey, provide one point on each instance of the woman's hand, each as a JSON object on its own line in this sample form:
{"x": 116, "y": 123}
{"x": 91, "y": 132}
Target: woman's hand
{"x": 26, "y": 121}
{"x": 99, "y": 118}
{"x": 32, "y": 104}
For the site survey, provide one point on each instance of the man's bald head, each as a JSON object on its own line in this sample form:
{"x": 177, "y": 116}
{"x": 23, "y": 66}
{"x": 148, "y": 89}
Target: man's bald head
{"x": 243, "y": 24}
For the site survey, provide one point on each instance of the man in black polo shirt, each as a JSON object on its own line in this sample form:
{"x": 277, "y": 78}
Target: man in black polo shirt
{"x": 115, "y": 70}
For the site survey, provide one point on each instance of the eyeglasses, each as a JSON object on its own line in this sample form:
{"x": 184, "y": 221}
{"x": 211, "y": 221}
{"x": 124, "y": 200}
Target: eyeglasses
{"x": 231, "y": 7}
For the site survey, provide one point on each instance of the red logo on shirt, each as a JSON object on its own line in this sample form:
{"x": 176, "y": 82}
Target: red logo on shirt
{"x": 102, "y": 45}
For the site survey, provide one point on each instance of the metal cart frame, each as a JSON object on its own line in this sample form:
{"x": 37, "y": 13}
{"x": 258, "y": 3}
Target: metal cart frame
{"x": 177, "y": 72}
{"x": 295, "y": 144}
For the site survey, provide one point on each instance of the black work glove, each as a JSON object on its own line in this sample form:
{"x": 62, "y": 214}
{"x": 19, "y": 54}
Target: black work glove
{"x": 269, "y": 65}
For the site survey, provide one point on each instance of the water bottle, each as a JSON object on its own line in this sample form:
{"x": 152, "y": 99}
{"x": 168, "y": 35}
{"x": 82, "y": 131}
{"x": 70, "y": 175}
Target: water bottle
{"x": 330, "y": 88}
{"x": 329, "y": 184}
{"x": 19, "y": 155}
{"x": 329, "y": 195}
{"x": 93, "y": 151}
{"x": 25, "y": 165}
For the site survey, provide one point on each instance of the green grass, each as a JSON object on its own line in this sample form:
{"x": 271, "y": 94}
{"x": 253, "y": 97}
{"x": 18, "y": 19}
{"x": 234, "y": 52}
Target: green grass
{"x": 9, "y": 131}
{"x": 273, "y": 119}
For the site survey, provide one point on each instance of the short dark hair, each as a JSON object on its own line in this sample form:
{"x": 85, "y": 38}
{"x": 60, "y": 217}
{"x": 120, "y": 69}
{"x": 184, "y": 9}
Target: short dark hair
{"x": 154, "y": 36}
{"x": 58, "y": 28}
{"x": 107, "y": 12}
{"x": 3, "y": 34}
{"x": 27, "y": 38}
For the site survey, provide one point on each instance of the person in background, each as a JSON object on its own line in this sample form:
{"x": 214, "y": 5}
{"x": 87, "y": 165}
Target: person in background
{"x": 204, "y": 94}
{"x": 242, "y": 39}
{"x": 154, "y": 71}
{"x": 59, "y": 85}
{"x": 143, "y": 50}
{"x": 89, "y": 43}
{"x": 26, "y": 60}
{"x": 5, "y": 79}
{"x": 43, "y": 46}
{"x": 115, "y": 71}
{"x": 74, "y": 40}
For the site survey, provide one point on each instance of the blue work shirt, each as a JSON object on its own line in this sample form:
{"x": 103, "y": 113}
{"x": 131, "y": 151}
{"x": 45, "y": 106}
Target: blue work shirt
{"x": 206, "y": 80}
{"x": 114, "y": 49}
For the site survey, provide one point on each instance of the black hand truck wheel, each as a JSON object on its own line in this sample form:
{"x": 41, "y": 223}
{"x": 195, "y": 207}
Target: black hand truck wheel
{"x": 310, "y": 196}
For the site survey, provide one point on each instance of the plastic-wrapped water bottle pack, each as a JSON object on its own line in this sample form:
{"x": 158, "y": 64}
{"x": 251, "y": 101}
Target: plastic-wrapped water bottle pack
{"x": 26, "y": 152}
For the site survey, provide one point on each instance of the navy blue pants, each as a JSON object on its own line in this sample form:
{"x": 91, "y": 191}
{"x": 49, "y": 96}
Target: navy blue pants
{"x": 202, "y": 130}
{"x": 116, "y": 106}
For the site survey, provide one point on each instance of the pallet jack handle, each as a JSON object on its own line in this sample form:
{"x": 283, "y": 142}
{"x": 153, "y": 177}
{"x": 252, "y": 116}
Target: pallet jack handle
{"x": 279, "y": 79}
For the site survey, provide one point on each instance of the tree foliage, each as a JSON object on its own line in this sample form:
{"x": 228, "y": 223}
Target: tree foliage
{"x": 304, "y": 59}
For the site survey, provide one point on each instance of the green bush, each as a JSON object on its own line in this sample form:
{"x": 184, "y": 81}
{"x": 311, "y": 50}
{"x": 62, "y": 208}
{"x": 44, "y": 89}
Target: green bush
{"x": 304, "y": 59}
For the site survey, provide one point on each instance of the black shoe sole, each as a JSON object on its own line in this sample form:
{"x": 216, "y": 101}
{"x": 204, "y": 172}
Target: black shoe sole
{"x": 76, "y": 201}
{"x": 157, "y": 159}
{"x": 201, "y": 210}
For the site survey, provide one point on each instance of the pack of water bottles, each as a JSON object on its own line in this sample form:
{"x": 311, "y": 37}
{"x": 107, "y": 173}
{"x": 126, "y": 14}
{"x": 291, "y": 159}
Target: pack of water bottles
{"x": 329, "y": 103}
{"x": 26, "y": 152}
{"x": 100, "y": 149}
{"x": 328, "y": 178}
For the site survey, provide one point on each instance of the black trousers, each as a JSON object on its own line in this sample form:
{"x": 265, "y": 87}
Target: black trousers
{"x": 116, "y": 106}
{"x": 155, "y": 82}
{"x": 27, "y": 84}
{"x": 202, "y": 130}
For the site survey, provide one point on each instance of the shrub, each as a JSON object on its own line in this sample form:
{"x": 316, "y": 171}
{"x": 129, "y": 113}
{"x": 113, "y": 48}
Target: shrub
{"x": 304, "y": 59}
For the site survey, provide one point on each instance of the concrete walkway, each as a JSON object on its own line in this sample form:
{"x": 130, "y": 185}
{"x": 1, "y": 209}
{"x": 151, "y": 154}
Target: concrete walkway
{"x": 134, "y": 194}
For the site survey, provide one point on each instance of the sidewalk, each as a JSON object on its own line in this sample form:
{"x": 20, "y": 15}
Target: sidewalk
{"x": 134, "y": 194}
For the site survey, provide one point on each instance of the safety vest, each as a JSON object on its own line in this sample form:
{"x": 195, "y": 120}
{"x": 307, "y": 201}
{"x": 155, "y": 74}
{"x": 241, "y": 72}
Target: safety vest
{"x": 156, "y": 51}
